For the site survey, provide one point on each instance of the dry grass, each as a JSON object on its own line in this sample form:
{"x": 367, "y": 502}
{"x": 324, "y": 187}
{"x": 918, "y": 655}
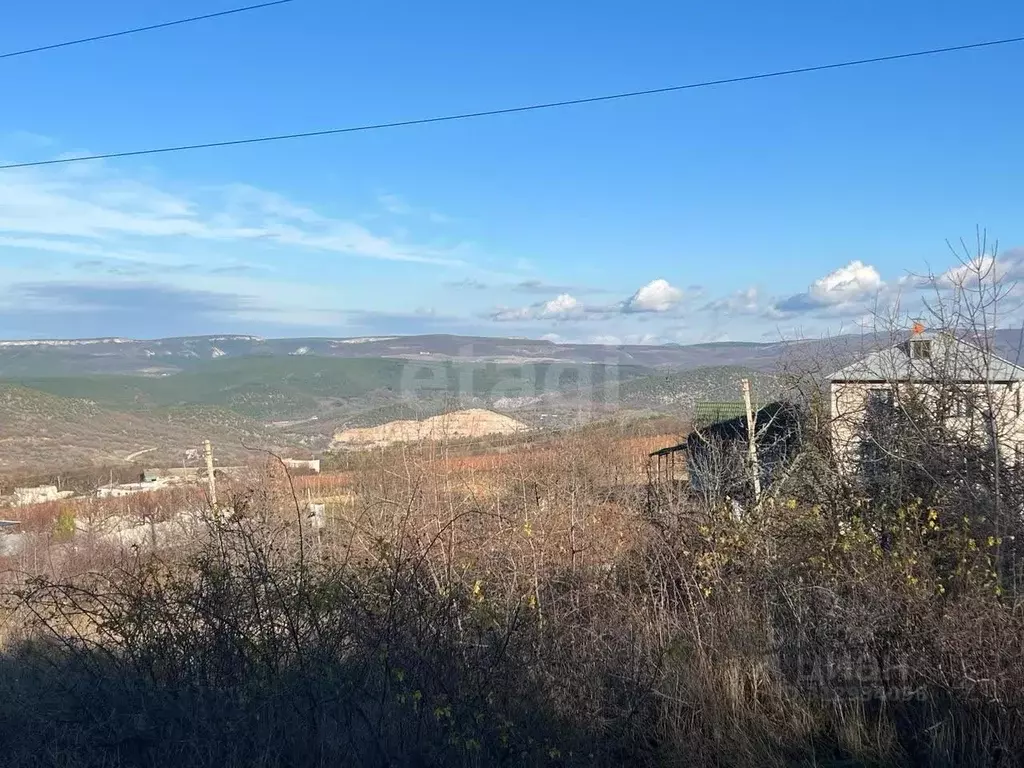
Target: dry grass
{"x": 525, "y": 607}
{"x": 40, "y": 432}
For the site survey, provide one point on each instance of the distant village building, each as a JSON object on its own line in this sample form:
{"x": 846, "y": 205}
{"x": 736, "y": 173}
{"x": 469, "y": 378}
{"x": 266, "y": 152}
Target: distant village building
{"x": 309, "y": 465}
{"x": 130, "y": 489}
{"x": 39, "y": 495}
{"x": 974, "y": 393}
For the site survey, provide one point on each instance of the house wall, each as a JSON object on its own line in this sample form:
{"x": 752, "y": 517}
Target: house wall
{"x": 313, "y": 465}
{"x": 849, "y": 404}
{"x": 130, "y": 489}
{"x": 39, "y": 495}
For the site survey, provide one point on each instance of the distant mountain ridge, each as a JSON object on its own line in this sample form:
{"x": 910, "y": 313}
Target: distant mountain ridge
{"x": 158, "y": 357}
{"x": 60, "y": 357}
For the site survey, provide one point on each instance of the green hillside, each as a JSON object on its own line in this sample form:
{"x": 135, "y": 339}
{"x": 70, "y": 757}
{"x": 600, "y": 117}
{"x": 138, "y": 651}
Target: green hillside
{"x": 80, "y": 420}
{"x": 290, "y": 387}
{"x": 688, "y": 387}
{"x": 42, "y": 431}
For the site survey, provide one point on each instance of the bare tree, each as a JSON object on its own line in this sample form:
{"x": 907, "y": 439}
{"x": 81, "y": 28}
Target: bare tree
{"x": 921, "y": 410}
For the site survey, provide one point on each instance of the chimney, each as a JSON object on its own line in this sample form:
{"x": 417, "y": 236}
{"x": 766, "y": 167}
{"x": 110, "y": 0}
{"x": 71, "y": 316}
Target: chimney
{"x": 917, "y": 329}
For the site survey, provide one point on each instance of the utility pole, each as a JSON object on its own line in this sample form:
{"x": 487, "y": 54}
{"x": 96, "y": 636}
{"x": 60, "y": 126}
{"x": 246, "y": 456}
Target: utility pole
{"x": 755, "y": 470}
{"x": 211, "y": 481}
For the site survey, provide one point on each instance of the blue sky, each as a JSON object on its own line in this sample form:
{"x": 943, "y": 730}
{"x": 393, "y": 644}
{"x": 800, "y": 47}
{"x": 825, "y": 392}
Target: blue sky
{"x": 740, "y": 212}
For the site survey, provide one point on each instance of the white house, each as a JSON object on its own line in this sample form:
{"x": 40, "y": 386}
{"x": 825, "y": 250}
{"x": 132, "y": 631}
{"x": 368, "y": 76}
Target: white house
{"x": 976, "y": 393}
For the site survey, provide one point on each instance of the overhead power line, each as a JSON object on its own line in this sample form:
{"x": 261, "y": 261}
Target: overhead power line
{"x": 514, "y": 110}
{"x": 149, "y": 28}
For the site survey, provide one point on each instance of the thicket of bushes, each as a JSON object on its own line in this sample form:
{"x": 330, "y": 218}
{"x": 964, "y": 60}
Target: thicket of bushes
{"x": 551, "y": 616}
{"x": 550, "y": 608}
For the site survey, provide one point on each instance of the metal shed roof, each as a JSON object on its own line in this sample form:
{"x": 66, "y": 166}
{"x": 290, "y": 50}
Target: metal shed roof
{"x": 707, "y": 413}
{"x": 948, "y": 359}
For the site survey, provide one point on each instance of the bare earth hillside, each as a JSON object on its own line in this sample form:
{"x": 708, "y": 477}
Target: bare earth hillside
{"x": 474, "y": 422}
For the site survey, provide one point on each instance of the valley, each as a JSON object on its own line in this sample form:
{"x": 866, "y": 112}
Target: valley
{"x": 72, "y": 404}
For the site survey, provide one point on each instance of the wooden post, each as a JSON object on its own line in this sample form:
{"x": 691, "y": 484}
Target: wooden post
{"x": 316, "y": 514}
{"x": 210, "y": 479}
{"x": 755, "y": 470}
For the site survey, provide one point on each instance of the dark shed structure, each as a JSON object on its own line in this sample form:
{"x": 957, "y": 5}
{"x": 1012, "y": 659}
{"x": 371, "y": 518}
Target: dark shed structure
{"x": 715, "y": 453}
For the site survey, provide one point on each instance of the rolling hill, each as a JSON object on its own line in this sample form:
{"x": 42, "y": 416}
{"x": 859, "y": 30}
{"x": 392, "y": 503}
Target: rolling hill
{"x": 49, "y": 358}
{"x": 283, "y": 388}
{"x": 41, "y": 431}
{"x": 288, "y": 402}
{"x": 680, "y": 390}
{"x": 95, "y": 401}
{"x": 157, "y": 357}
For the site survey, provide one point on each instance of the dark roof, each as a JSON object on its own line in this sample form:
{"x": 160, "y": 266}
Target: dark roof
{"x": 668, "y": 450}
{"x": 770, "y": 415}
{"x": 705, "y": 414}
{"x": 708, "y": 413}
{"x": 778, "y": 414}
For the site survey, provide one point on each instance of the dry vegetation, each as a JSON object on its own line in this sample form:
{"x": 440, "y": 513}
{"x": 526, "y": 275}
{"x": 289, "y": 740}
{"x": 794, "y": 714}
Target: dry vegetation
{"x": 540, "y": 603}
{"x": 530, "y": 605}
{"x": 40, "y": 432}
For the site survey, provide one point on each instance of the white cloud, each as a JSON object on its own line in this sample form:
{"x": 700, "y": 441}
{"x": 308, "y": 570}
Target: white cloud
{"x": 656, "y": 296}
{"x": 562, "y": 307}
{"x": 511, "y": 314}
{"x": 105, "y": 214}
{"x": 398, "y": 206}
{"x": 1009, "y": 266}
{"x": 563, "y": 304}
{"x": 1007, "y": 269}
{"x": 394, "y": 204}
{"x": 744, "y": 302}
{"x": 100, "y": 227}
{"x": 851, "y": 281}
{"x": 1013, "y": 261}
{"x": 963, "y": 273}
{"x": 610, "y": 340}
{"x": 840, "y": 292}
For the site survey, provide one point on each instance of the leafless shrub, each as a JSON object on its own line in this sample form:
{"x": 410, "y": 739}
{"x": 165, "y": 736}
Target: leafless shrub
{"x": 526, "y": 605}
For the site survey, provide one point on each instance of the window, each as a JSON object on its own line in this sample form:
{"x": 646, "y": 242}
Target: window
{"x": 965, "y": 403}
{"x": 879, "y": 397}
{"x": 921, "y": 349}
